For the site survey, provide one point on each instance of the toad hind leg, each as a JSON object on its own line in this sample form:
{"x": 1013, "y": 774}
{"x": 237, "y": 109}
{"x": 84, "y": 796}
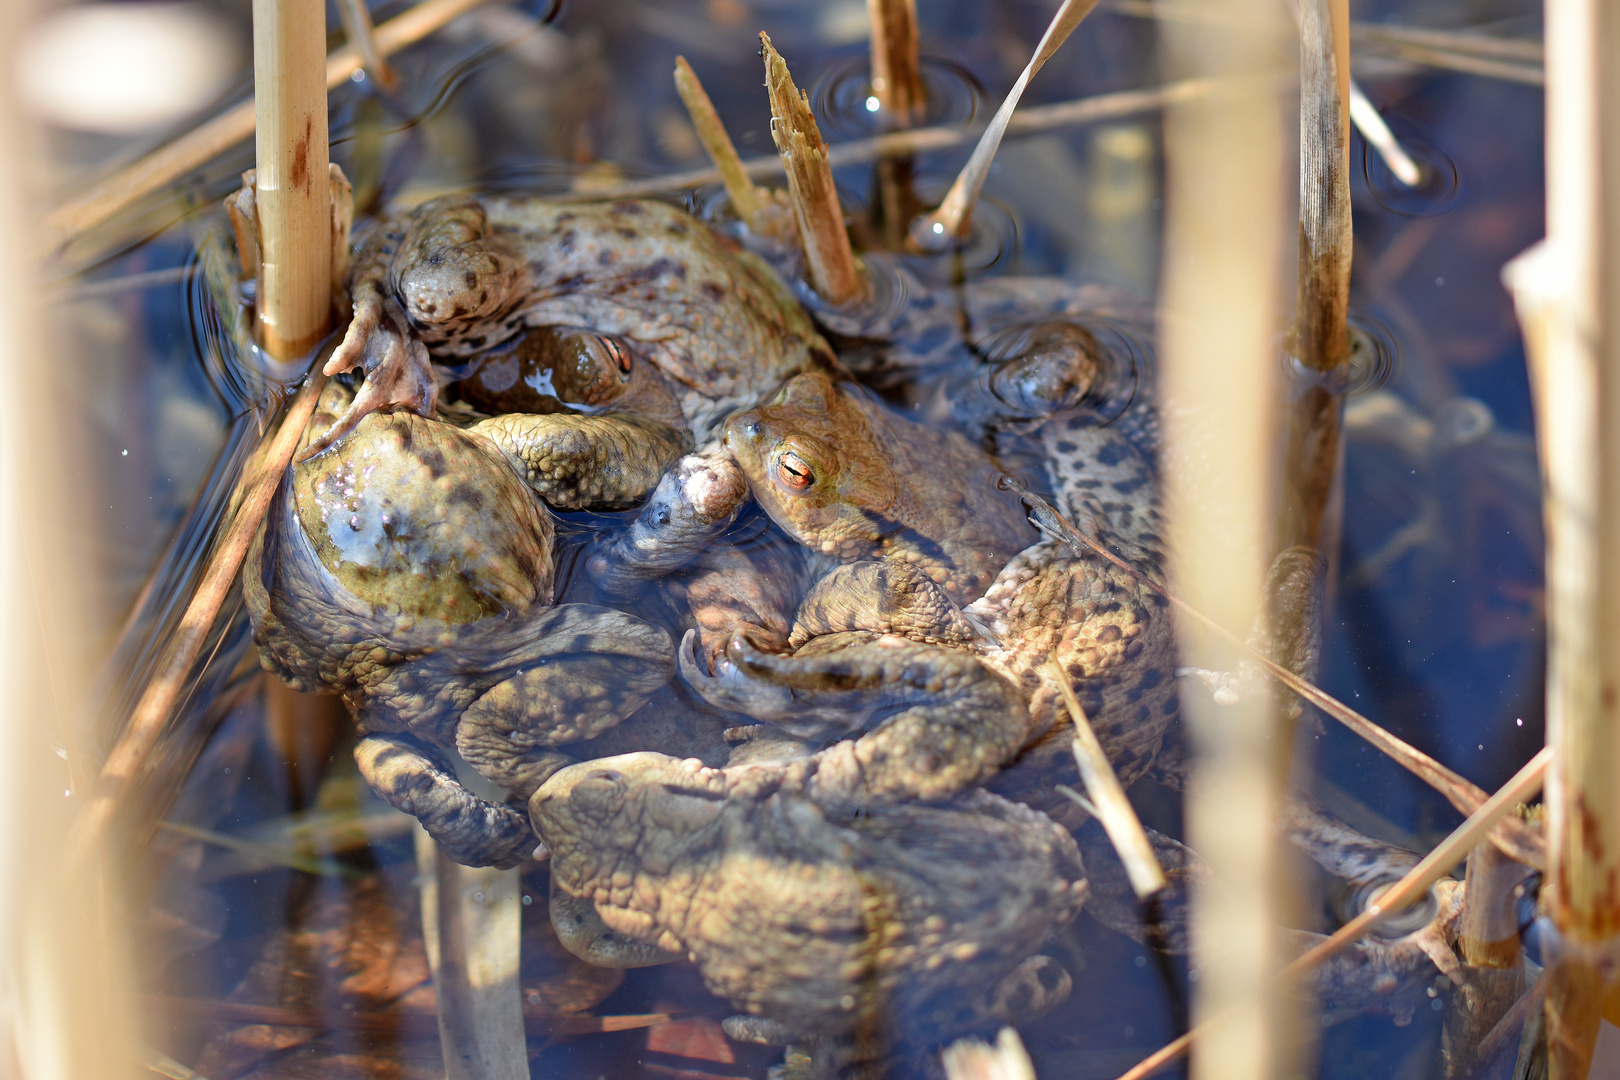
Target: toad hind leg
{"x": 470, "y": 830}
{"x": 882, "y": 598}
{"x": 576, "y": 462}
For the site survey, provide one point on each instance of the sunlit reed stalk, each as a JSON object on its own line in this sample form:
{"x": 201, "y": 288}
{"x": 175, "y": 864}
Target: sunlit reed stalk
{"x": 972, "y": 1059}
{"x": 1224, "y": 233}
{"x": 1567, "y": 291}
{"x": 1491, "y": 956}
{"x": 1108, "y": 801}
{"x": 945, "y": 225}
{"x": 900, "y": 98}
{"x": 1413, "y": 886}
{"x": 829, "y": 259}
{"x": 198, "y": 146}
{"x": 358, "y": 29}
{"x": 746, "y": 200}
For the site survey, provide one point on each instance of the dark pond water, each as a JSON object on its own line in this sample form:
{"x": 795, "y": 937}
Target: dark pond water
{"x": 1434, "y": 629}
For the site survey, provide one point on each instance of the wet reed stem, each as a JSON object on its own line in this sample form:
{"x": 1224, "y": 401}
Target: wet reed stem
{"x": 746, "y": 201}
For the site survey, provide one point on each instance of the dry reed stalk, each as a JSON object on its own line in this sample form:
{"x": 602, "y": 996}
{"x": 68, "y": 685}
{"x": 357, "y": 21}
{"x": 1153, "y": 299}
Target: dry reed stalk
{"x": 1084, "y": 110}
{"x": 900, "y": 96}
{"x": 292, "y": 192}
{"x": 1223, "y": 236}
{"x": 829, "y": 259}
{"x": 1413, "y": 886}
{"x": 362, "y": 36}
{"x": 942, "y": 227}
{"x": 471, "y": 925}
{"x": 746, "y": 200}
{"x": 1322, "y": 329}
{"x": 212, "y": 138}
{"x": 1567, "y": 290}
{"x": 896, "y": 61}
{"x": 152, "y": 712}
{"x": 1108, "y": 799}
{"x": 1514, "y": 837}
{"x": 973, "y": 1059}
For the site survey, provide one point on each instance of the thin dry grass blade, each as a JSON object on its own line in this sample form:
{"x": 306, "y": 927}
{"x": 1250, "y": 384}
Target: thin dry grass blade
{"x": 1371, "y": 124}
{"x": 153, "y": 710}
{"x": 106, "y": 198}
{"x": 829, "y": 259}
{"x": 944, "y": 225}
{"x": 1416, "y": 884}
{"x": 1108, "y": 801}
{"x": 1515, "y": 838}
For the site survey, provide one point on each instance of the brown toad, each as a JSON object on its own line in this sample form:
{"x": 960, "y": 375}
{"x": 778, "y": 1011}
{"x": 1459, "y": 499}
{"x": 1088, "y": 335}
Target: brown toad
{"x": 458, "y": 276}
{"x": 410, "y": 571}
{"x": 833, "y": 918}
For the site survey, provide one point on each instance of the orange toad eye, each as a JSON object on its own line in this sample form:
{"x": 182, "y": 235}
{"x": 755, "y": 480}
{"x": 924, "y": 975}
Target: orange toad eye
{"x": 794, "y": 472}
{"x": 616, "y": 353}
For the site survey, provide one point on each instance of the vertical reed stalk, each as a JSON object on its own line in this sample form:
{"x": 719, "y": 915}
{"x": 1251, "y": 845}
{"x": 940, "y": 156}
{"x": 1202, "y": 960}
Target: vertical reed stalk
{"x": 1492, "y": 967}
{"x": 827, "y": 254}
{"x": 1225, "y": 236}
{"x": 1567, "y": 290}
{"x": 897, "y": 85}
{"x": 1321, "y": 334}
{"x": 293, "y": 194}
{"x": 746, "y": 200}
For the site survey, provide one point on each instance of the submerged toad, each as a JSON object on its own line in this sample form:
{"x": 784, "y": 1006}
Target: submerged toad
{"x": 834, "y": 918}
{"x": 410, "y": 571}
{"x": 458, "y": 276}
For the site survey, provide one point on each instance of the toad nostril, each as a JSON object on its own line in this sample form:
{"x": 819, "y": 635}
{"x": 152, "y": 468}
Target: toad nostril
{"x": 752, "y": 429}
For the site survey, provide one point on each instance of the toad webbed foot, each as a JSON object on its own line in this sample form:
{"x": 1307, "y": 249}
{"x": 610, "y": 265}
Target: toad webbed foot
{"x": 694, "y": 502}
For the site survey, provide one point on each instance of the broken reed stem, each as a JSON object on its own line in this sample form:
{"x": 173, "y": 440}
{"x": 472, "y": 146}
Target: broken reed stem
{"x": 1322, "y": 328}
{"x": 941, "y": 228}
{"x": 1414, "y": 885}
{"x": 745, "y": 198}
{"x": 292, "y": 191}
{"x": 194, "y": 149}
{"x": 828, "y": 257}
{"x": 1108, "y": 799}
{"x": 1492, "y": 959}
{"x": 896, "y": 61}
{"x": 361, "y": 34}
{"x": 152, "y": 712}
{"x": 1371, "y": 124}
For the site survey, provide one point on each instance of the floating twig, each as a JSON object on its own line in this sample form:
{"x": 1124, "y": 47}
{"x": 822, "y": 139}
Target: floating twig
{"x": 829, "y": 260}
{"x": 212, "y": 138}
{"x": 400, "y": 1018}
{"x": 746, "y": 200}
{"x": 362, "y": 35}
{"x": 1108, "y": 799}
{"x": 1416, "y": 884}
{"x": 1514, "y": 837}
{"x": 942, "y": 228}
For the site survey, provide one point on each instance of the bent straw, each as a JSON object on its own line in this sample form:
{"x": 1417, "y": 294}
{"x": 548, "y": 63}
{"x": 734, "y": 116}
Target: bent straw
{"x": 1524, "y": 785}
{"x": 944, "y": 225}
{"x": 82, "y": 213}
{"x": 362, "y": 35}
{"x": 1515, "y": 839}
{"x": 151, "y": 713}
{"x": 1108, "y": 801}
{"x": 1371, "y": 124}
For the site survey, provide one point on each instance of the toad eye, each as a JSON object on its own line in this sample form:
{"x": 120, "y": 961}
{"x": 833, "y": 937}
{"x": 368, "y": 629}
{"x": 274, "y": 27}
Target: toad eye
{"x": 794, "y": 472}
{"x": 616, "y": 353}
